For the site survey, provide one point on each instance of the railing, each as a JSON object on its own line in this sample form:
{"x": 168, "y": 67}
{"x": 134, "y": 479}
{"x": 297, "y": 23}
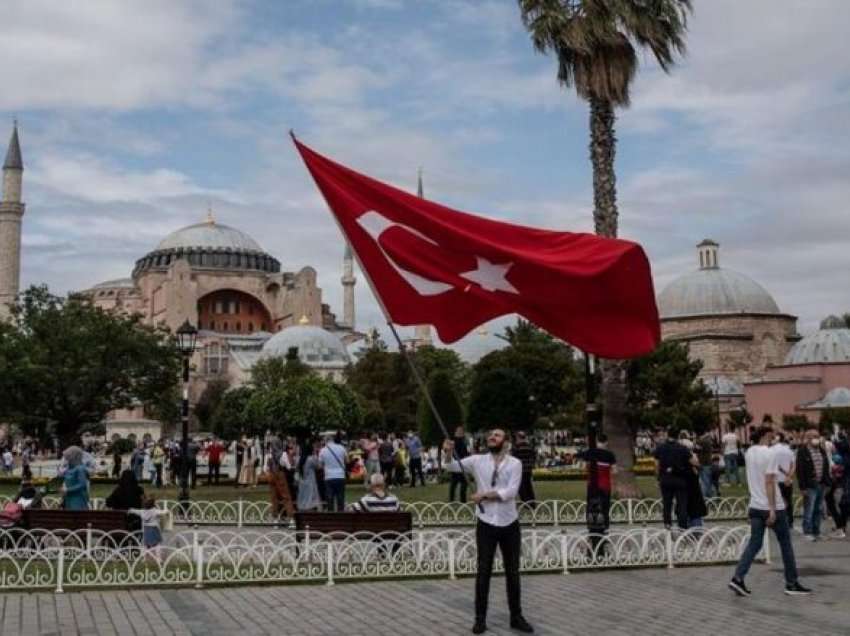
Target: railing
{"x": 90, "y": 559}
{"x": 553, "y": 512}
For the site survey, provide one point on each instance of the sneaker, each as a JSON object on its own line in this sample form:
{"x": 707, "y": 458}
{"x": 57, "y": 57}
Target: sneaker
{"x": 737, "y": 586}
{"x": 521, "y": 625}
{"x": 810, "y": 537}
{"x": 838, "y": 533}
{"x": 480, "y": 626}
{"x": 797, "y": 590}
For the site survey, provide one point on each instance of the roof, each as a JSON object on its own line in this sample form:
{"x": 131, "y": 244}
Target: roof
{"x": 721, "y": 385}
{"x": 839, "y": 397}
{"x": 317, "y": 347}
{"x": 825, "y": 345}
{"x": 211, "y": 235}
{"x": 711, "y": 291}
{"x": 14, "y": 161}
{"x": 115, "y": 282}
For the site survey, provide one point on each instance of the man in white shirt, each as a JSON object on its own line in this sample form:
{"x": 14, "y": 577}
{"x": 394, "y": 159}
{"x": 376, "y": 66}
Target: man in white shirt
{"x": 497, "y": 478}
{"x": 730, "y": 456}
{"x": 333, "y": 458}
{"x": 785, "y": 462}
{"x": 767, "y": 510}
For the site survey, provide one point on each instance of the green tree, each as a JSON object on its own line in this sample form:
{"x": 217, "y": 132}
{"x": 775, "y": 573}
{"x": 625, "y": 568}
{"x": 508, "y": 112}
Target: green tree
{"x": 795, "y": 422}
{"x": 431, "y": 360}
{"x": 269, "y": 373}
{"x": 596, "y": 43}
{"x": 352, "y": 411}
{"x": 664, "y": 391}
{"x": 839, "y": 417}
{"x": 209, "y": 401}
{"x": 80, "y": 362}
{"x": 739, "y": 418}
{"x": 499, "y": 399}
{"x": 546, "y": 364}
{"x": 301, "y": 407}
{"x": 231, "y": 417}
{"x": 447, "y": 403}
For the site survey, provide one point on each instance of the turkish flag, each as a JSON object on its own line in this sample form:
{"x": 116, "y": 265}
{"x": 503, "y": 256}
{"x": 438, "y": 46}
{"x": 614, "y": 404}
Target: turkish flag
{"x": 429, "y": 264}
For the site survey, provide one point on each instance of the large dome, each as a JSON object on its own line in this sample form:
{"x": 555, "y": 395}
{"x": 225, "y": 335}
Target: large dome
{"x": 208, "y": 245}
{"x": 210, "y": 235}
{"x": 711, "y": 290}
{"x": 829, "y": 344}
{"x": 317, "y": 347}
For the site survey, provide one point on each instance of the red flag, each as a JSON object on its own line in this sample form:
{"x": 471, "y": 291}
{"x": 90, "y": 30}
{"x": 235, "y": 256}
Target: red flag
{"x": 429, "y": 264}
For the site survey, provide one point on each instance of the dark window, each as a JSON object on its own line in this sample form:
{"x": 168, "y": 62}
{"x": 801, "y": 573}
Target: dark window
{"x": 251, "y": 326}
{"x": 238, "y": 326}
{"x": 225, "y": 327}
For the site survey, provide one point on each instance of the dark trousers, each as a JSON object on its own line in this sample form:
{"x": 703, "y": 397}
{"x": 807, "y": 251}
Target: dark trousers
{"x": 758, "y": 524}
{"x": 834, "y": 508}
{"x": 158, "y": 469}
{"x": 526, "y": 488}
{"x": 487, "y": 537}
{"x": 387, "y": 472}
{"x": 673, "y": 487}
{"x": 335, "y": 491}
{"x": 214, "y": 472}
{"x": 193, "y": 472}
{"x": 457, "y": 479}
{"x": 788, "y": 497}
{"x": 416, "y": 469}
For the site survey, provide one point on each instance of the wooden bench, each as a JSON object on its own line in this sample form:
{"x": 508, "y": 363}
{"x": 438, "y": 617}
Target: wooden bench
{"x": 104, "y": 520}
{"x": 340, "y": 525}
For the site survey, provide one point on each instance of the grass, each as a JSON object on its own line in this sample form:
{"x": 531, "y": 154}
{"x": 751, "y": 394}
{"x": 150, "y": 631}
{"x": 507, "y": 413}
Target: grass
{"x": 431, "y": 492}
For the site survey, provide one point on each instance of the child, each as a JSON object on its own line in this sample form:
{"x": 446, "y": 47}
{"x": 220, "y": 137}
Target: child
{"x": 151, "y": 531}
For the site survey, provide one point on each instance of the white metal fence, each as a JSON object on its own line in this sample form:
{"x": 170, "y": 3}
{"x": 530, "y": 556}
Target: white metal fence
{"x": 34, "y": 560}
{"x": 552, "y": 512}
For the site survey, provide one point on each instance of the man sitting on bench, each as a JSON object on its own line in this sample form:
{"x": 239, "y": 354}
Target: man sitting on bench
{"x": 377, "y": 499}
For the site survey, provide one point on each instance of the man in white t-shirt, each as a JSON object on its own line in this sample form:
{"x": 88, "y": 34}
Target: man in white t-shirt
{"x": 497, "y": 478}
{"x": 767, "y": 510}
{"x": 730, "y": 456}
{"x": 785, "y": 462}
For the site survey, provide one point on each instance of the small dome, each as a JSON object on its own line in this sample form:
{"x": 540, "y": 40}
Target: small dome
{"x": 317, "y": 347}
{"x": 827, "y": 345}
{"x": 837, "y": 397}
{"x": 117, "y": 282}
{"x": 723, "y": 385}
{"x": 833, "y": 322}
{"x": 210, "y": 235}
{"x": 712, "y": 290}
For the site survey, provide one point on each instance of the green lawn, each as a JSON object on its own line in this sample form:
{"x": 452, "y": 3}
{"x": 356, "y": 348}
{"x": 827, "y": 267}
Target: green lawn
{"x": 431, "y": 492}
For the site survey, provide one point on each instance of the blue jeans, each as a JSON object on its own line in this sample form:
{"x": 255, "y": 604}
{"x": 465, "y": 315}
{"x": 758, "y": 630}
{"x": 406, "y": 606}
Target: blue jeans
{"x": 812, "y": 510}
{"x": 335, "y": 493}
{"x": 731, "y": 461}
{"x": 705, "y": 481}
{"x": 758, "y": 523}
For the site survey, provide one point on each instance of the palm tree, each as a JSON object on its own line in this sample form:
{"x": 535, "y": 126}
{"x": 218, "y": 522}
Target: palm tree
{"x": 596, "y": 44}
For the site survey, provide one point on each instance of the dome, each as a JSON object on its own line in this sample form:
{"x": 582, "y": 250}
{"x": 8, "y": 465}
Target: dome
{"x": 210, "y": 235}
{"x": 317, "y": 347}
{"x": 208, "y": 245}
{"x": 711, "y": 290}
{"x": 839, "y": 397}
{"x": 825, "y": 345}
{"x": 723, "y": 385}
{"x": 117, "y": 282}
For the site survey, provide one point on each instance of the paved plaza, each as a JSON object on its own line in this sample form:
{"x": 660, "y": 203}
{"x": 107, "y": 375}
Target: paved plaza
{"x": 690, "y": 601}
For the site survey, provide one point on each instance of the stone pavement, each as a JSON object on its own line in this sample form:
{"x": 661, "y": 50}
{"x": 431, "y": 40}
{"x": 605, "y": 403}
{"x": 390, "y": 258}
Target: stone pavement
{"x": 685, "y": 601}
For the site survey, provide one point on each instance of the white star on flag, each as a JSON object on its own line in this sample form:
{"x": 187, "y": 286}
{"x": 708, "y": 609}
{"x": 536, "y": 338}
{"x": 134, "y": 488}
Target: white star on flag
{"x": 490, "y": 276}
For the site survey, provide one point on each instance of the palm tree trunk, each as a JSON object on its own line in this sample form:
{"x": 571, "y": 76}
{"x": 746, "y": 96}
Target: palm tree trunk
{"x": 603, "y": 146}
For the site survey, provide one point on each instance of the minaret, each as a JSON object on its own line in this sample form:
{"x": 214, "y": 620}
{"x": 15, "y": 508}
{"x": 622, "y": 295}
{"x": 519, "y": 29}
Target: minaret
{"x": 421, "y": 333}
{"x": 11, "y": 215}
{"x": 348, "y": 282}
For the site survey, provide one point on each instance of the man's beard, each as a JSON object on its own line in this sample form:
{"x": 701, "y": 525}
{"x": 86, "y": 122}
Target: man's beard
{"x": 496, "y": 449}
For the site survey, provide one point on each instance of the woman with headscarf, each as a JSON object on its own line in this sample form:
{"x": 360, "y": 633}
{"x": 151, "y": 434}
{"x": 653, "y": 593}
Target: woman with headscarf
{"x": 75, "y": 487}
{"x": 308, "y": 490}
{"x": 127, "y": 494}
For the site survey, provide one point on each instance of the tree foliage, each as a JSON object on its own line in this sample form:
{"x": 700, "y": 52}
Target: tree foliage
{"x": 209, "y": 400}
{"x": 499, "y": 399}
{"x": 272, "y": 372}
{"x": 70, "y": 363}
{"x": 231, "y": 418}
{"x": 795, "y": 422}
{"x": 301, "y": 407}
{"x": 448, "y": 405}
{"x": 835, "y": 416}
{"x": 664, "y": 391}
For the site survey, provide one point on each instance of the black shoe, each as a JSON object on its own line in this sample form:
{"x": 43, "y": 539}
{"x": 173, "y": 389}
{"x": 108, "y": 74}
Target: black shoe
{"x": 521, "y": 625}
{"x": 737, "y": 586}
{"x": 480, "y": 626}
{"x": 797, "y": 590}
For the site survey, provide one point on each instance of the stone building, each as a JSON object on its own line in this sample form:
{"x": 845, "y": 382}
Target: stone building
{"x": 814, "y": 376}
{"x": 11, "y": 218}
{"x": 730, "y": 323}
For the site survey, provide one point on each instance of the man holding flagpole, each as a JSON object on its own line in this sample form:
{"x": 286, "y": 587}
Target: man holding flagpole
{"x": 497, "y": 478}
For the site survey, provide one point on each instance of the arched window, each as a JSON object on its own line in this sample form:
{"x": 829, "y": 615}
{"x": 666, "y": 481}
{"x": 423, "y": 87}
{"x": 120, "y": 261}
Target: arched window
{"x": 225, "y": 327}
{"x": 215, "y": 359}
{"x": 251, "y": 327}
{"x": 238, "y": 326}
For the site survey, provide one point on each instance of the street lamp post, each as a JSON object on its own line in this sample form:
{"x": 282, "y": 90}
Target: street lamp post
{"x": 187, "y": 336}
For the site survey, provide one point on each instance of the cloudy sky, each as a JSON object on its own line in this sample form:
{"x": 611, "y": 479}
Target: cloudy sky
{"x": 134, "y": 117}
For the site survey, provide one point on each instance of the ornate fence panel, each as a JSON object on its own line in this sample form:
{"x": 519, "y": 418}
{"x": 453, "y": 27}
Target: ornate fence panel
{"x": 58, "y": 560}
{"x": 553, "y": 512}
